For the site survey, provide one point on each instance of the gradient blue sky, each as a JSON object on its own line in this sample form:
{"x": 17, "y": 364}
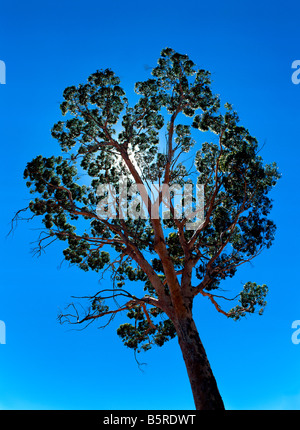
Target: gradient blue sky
{"x": 249, "y": 47}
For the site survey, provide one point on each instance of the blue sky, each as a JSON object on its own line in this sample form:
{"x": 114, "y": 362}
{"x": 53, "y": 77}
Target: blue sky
{"x": 249, "y": 48}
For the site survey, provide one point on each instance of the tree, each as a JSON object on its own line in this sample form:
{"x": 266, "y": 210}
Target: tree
{"x": 159, "y": 264}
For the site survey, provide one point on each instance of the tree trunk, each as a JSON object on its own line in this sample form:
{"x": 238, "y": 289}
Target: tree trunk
{"x": 203, "y": 383}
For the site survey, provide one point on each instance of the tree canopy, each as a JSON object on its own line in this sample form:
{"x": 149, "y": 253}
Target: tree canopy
{"x": 158, "y": 265}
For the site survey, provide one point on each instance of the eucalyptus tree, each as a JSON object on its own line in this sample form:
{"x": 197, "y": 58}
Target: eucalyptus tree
{"x": 98, "y": 197}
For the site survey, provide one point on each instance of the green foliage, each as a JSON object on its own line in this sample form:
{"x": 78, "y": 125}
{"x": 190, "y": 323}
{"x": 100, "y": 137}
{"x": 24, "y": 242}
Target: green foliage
{"x": 141, "y": 336}
{"x": 252, "y": 295}
{"x": 177, "y": 101}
